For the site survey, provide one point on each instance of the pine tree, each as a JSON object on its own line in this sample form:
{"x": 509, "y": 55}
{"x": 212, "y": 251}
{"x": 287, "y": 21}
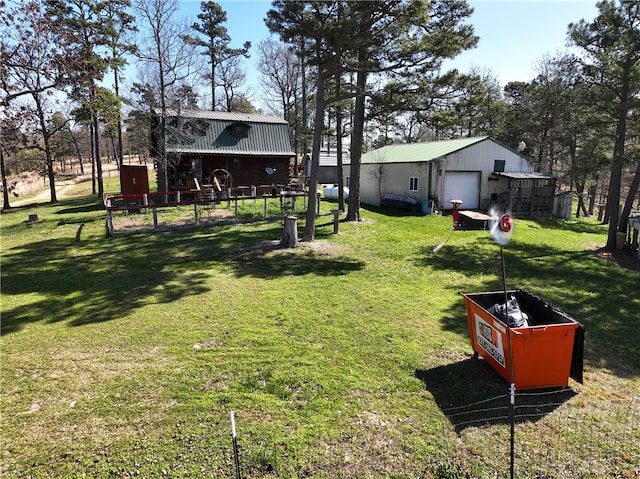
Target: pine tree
{"x": 611, "y": 64}
{"x": 216, "y": 42}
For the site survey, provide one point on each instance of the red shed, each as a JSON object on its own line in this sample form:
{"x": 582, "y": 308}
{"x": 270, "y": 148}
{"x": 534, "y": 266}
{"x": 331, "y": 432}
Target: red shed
{"x": 134, "y": 180}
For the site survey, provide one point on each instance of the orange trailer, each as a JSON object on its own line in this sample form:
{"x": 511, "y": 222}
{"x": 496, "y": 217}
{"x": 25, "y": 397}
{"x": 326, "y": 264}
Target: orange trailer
{"x": 545, "y": 353}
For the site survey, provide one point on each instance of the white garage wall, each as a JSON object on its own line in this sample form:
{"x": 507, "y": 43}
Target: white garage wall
{"x": 478, "y": 158}
{"x": 392, "y": 178}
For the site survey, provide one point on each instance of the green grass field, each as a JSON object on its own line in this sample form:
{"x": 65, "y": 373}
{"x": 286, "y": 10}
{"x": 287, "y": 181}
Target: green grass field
{"x": 123, "y": 356}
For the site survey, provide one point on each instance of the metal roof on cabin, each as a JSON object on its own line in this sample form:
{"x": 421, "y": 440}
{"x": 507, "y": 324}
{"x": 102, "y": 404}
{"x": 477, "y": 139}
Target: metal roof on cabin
{"x": 223, "y": 115}
{"x": 207, "y": 132}
{"x": 417, "y": 152}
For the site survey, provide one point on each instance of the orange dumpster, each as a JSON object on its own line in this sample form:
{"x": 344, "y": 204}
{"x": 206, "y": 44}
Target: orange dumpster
{"x": 546, "y": 350}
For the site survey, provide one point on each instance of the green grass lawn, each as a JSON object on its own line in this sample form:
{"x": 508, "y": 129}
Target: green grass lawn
{"x": 123, "y": 356}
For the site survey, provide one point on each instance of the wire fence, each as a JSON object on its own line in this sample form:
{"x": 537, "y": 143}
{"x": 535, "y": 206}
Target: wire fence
{"x": 558, "y": 434}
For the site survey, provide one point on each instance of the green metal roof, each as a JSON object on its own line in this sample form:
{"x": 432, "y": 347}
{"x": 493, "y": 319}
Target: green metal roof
{"x": 417, "y": 152}
{"x": 209, "y": 132}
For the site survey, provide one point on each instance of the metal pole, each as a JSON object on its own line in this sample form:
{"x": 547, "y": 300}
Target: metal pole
{"x": 234, "y": 440}
{"x": 512, "y": 388}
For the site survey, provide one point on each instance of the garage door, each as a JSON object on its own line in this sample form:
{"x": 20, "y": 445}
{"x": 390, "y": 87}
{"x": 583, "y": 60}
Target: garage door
{"x": 462, "y": 185}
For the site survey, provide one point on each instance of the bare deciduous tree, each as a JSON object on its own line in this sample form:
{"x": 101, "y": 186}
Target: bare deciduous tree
{"x": 165, "y": 48}
{"x": 34, "y": 66}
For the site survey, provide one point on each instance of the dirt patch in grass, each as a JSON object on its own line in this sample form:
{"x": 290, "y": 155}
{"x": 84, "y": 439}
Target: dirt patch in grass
{"x": 622, "y": 257}
{"x": 272, "y": 245}
{"x": 167, "y": 219}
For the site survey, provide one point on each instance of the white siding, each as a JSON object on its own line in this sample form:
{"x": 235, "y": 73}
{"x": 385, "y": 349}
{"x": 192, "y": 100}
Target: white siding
{"x": 392, "y": 178}
{"x": 380, "y": 179}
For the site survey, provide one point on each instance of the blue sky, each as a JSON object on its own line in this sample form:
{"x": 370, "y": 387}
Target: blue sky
{"x": 514, "y": 34}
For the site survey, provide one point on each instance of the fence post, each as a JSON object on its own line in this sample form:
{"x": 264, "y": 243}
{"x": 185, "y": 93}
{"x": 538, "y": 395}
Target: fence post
{"x": 336, "y": 220}
{"x": 110, "y": 222}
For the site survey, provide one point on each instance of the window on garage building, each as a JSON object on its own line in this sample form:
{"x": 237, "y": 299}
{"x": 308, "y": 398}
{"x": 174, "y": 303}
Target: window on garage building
{"x": 413, "y": 183}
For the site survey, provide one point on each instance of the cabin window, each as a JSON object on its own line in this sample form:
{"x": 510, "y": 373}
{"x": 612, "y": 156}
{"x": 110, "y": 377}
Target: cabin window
{"x": 239, "y": 130}
{"x": 413, "y": 183}
{"x": 195, "y": 128}
{"x": 185, "y": 132}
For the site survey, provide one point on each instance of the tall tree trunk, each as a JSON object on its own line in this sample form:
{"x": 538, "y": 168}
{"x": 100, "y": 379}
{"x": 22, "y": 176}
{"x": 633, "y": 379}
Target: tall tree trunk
{"x": 613, "y": 201}
{"x": 77, "y": 147}
{"x": 310, "y": 224}
{"x": 93, "y": 160}
{"x": 96, "y": 139}
{"x": 114, "y": 150}
{"x": 628, "y": 204}
{"x": 120, "y": 151}
{"x": 163, "y": 167}
{"x": 615, "y": 183}
{"x": 5, "y": 189}
{"x": 47, "y": 149}
{"x": 592, "y": 195}
{"x": 305, "y": 113}
{"x": 580, "y": 190}
{"x": 339, "y": 145}
{"x": 213, "y": 85}
{"x": 356, "y": 140}
{"x": 50, "y": 172}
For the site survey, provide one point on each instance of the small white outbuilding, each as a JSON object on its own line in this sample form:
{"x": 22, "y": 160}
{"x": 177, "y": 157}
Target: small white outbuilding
{"x": 477, "y": 171}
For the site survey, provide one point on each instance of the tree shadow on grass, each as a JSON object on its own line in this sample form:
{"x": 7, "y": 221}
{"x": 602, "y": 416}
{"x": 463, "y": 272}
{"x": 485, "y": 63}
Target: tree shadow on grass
{"x": 471, "y": 393}
{"x": 80, "y": 209}
{"x": 273, "y": 261}
{"x": 569, "y": 225}
{"x": 81, "y": 288}
{"x": 257, "y": 253}
{"x": 104, "y": 280}
{"x": 388, "y": 211}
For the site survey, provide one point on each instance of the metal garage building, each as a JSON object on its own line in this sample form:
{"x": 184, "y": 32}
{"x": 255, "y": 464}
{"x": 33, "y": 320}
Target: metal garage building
{"x": 477, "y": 171}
